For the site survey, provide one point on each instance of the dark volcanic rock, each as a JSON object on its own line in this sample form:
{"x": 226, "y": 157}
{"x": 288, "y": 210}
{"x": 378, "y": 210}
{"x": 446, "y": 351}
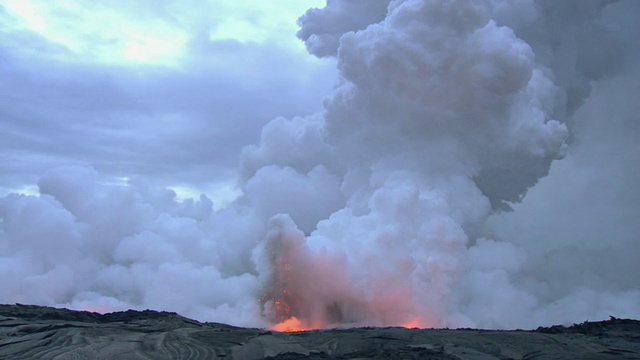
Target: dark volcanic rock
{"x": 34, "y": 332}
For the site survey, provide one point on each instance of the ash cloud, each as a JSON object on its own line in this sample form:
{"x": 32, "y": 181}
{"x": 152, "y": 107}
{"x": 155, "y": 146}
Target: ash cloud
{"x": 385, "y": 208}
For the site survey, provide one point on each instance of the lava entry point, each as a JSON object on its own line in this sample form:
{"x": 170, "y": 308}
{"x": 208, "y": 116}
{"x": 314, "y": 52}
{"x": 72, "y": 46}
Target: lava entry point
{"x": 28, "y": 332}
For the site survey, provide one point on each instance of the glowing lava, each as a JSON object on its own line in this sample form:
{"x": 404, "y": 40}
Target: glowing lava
{"x": 413, "y": 324}
{"x": 304, "y": 291}
{"x": 292, "y": 324}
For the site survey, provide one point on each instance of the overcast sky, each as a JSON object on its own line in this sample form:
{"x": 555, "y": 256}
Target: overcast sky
{"x": 364, "y": 162}
{"x": 168, "y": 91}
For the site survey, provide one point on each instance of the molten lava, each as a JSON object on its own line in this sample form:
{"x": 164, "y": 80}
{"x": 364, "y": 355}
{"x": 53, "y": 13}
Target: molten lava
{"x": 291, "y": 324}
{"x": 413, "y": 324}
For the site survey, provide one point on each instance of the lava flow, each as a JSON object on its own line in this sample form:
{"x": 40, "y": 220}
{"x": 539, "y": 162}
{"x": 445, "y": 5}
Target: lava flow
{"x": 288, "y": 300}
{"x": 284, "y": 306}
{"x": 292, "y": 324}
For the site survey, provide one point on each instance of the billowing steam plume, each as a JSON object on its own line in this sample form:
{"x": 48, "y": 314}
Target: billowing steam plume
{"x": 372, "y": 212}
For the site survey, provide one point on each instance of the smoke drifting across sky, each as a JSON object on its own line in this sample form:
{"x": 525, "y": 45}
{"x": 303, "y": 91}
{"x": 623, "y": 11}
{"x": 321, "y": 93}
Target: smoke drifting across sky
{"x": 388, "y": 206}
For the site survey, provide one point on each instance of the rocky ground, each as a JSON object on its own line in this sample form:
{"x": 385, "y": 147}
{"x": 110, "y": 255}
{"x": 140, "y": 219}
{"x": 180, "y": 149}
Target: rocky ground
{"x": 35, "y": 332}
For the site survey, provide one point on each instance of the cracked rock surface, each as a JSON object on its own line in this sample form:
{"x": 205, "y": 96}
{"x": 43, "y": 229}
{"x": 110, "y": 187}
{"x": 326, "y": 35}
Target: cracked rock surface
{"x": 35, "y": 332}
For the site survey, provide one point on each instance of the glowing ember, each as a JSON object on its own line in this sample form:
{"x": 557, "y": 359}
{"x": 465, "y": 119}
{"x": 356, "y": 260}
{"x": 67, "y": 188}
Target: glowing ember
{"x": 292, "y": 324}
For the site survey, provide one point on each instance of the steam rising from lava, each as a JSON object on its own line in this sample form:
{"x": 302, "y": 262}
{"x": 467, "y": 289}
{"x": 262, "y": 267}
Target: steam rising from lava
{"x": 441, "y": 113}
{"x": 372, "y": 212}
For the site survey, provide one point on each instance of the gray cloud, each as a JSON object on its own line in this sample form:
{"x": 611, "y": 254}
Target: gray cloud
{"x": 178, "y": 125}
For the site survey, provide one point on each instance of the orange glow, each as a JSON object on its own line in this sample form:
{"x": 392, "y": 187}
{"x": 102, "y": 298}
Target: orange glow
{"x": 415, "y": 323}
{"x": 292, "y": 324}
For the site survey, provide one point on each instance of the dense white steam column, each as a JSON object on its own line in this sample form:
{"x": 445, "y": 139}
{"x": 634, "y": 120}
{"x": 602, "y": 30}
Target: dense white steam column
{"x": 440, "y": 112}
{"x": 370, "y": 213}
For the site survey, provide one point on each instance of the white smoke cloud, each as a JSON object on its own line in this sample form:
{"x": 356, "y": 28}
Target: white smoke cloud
{"x": 321, "y": 29}
{"x": 381, "y": 210}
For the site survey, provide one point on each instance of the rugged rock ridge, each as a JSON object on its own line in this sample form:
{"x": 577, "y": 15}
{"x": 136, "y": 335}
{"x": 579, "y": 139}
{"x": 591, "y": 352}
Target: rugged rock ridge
{"x": 36, "y": 332}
